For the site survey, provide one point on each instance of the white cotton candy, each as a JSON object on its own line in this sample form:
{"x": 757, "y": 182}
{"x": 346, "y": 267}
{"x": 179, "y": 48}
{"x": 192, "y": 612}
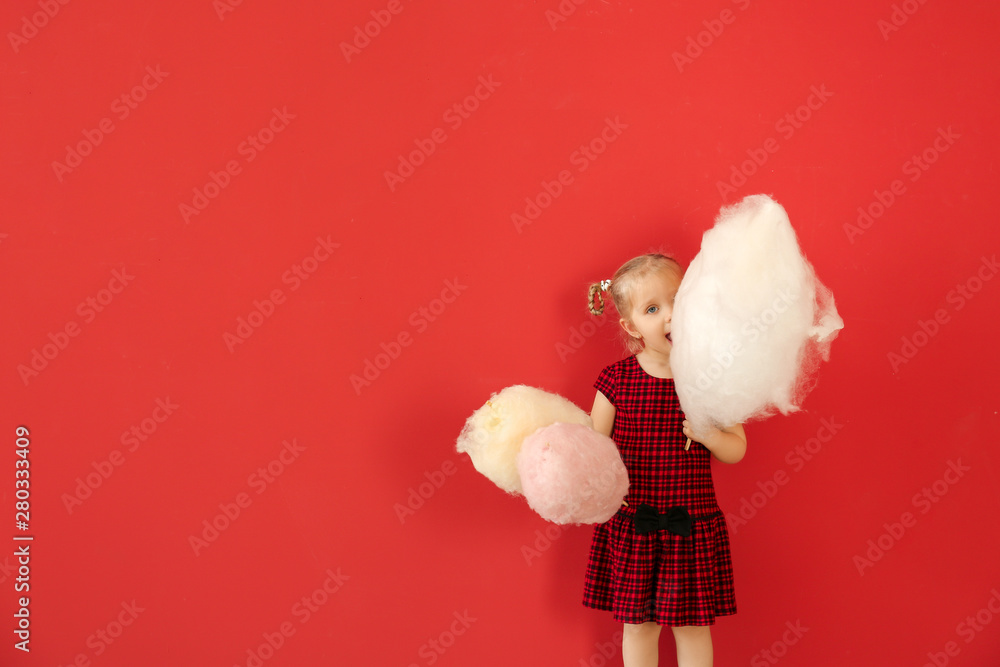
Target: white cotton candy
{"x": 570, "y": 473}
{"x": 492, "y": 436}
{"x": 751, "y": 321}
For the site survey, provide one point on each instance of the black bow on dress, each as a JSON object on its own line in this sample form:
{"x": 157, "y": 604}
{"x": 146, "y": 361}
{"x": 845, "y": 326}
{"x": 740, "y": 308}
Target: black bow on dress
{"x": 676, "y": 520}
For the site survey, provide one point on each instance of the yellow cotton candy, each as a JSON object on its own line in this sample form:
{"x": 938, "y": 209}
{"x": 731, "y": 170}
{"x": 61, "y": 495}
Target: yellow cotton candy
{"x": 492, "y": 436}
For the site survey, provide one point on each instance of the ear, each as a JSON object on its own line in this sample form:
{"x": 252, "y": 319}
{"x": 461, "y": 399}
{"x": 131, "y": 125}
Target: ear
{"x": 629, "y": 328}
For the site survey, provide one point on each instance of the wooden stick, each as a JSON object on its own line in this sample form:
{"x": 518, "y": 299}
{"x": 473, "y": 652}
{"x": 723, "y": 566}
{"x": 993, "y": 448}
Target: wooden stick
{"x": 687, "y": 445}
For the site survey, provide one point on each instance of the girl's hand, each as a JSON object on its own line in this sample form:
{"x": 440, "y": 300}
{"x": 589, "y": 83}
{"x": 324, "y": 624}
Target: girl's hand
{"x": 728, "y": 445}
{"x": 704, "y": 438}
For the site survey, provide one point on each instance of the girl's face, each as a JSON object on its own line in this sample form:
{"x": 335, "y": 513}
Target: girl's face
{"x": 652, "y": 309}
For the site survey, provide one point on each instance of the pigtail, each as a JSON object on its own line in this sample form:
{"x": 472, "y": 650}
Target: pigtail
{"x": 597, "y": 291}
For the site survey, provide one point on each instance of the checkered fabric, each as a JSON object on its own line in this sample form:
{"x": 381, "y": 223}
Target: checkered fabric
{"x": 659, "y": 576}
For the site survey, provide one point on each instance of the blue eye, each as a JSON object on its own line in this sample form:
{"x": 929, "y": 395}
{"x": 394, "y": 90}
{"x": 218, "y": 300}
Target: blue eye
{"x": 652, "y": 309}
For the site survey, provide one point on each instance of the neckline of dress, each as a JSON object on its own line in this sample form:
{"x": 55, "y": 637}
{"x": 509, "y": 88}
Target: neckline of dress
{"x": 635, "y": 360}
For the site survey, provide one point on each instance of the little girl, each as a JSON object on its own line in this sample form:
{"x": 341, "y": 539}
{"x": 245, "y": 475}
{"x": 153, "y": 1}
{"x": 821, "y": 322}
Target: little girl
{"x": 663, "y": 559}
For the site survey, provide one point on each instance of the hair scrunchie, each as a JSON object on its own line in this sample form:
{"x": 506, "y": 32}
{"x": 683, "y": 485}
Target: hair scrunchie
{"x": 596, "y": 291}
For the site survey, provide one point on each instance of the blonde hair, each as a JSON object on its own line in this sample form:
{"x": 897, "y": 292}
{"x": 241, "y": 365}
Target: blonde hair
{"x": 621, "y": 284}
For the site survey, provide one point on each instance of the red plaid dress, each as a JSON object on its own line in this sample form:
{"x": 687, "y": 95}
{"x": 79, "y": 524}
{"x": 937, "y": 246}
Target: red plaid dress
{"x": 659, "y": 576}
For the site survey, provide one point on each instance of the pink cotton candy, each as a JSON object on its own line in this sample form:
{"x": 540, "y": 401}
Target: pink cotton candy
{"x": 570, "y": 473}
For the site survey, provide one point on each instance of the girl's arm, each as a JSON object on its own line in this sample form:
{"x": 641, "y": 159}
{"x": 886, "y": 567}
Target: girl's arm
{"x": 603, "y": 414}
{"x": 728, "y": 445}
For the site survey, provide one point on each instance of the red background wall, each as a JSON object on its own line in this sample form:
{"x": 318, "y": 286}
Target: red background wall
{"x": 406, "y": 555}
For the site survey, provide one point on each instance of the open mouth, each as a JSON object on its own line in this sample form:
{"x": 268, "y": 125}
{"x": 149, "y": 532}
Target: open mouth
{"x": 669, "y": 338}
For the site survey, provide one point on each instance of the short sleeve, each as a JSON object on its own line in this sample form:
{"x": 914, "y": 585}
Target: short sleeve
{"x": 607, "y": 381}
